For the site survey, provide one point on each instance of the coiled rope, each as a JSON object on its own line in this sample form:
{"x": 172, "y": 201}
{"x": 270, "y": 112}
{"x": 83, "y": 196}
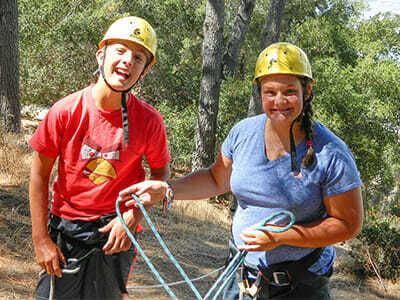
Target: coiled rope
{"x": 223, "y": 279}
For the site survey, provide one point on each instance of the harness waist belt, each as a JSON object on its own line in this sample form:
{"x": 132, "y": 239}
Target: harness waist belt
{"x": 285, "y": 273}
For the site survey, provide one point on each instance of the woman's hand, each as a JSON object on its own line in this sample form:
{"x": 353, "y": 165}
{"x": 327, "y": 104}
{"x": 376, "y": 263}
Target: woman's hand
{"x": 149, "y": 192}
{"x": 257, "y": 240}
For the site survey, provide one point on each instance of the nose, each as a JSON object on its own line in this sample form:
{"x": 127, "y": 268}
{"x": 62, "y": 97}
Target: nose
{"x": 279, "y": 98}
{"x": 127, "y": 58}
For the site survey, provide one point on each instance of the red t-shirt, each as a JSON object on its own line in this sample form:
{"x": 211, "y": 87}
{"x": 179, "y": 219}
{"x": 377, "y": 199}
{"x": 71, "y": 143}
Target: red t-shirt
{"x": 93, "y": 163}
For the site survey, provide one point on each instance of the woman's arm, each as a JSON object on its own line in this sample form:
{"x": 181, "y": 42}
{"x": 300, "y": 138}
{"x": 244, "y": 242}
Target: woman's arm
{"x": 201, "y": 184}
{"x": 344, "y": 221}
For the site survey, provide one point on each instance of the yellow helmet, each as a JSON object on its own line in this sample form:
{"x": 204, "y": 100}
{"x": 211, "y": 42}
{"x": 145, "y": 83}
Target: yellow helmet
{"x": 133, "y": 29}
{"x": 282, "y": 58}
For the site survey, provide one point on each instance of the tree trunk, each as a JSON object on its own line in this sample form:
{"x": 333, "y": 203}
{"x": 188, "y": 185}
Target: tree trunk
{"x": 204, "y": 153}
{"x": 239, "y": 30}
{"x": 9, "y": 86}
{"x": 270, "y": 34}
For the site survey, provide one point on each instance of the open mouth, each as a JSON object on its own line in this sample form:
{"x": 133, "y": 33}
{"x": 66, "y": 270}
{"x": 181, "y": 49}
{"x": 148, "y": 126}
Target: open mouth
{"x": 122, "y": 73}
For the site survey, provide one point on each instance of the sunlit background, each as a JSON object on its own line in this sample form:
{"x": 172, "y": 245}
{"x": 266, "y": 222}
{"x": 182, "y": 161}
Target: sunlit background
{"x": 382, "y": 6}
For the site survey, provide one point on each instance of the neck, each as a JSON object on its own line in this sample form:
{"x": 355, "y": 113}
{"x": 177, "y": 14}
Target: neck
{"x": 275, "y": 134}
{"x": 105, "y": 98}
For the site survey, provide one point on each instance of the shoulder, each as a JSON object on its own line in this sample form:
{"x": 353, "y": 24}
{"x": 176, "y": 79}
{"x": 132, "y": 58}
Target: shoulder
{"x": 246, "y": 132}
{"x": 327, "y": 144}
{"x": 251, "y": 122}
{"x": 325, "y": 138}
{"x": 143, "y": 109}
{"x": 62, "y": 110}
{"x": 69, "y": 102}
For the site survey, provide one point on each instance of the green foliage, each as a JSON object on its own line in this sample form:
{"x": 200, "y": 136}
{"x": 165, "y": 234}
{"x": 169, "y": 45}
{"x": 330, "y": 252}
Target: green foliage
{"x": 356, "y": 90}
{"x": 233, "y": 105}
{"x": 179, "y": 126}
{"x": 380, "y": 251}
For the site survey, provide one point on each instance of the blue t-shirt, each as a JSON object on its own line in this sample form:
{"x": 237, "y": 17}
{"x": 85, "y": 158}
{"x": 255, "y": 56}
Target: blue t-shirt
{"x": 263, "y": 187}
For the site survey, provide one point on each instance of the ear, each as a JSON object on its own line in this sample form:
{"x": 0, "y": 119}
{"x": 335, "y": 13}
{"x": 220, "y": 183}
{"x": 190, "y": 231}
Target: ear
{"x": 308, "y": 91}
{"x": 100, "y": 56}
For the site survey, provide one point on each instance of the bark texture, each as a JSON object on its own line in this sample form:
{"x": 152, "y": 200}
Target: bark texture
{"x": 10, "y": 118}
{"x": 205, "y": 139}
{"x": 239, "y": 30}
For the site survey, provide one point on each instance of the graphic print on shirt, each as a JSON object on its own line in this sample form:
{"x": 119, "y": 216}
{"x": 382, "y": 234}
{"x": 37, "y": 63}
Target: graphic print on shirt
{"x": 99, "y": 168}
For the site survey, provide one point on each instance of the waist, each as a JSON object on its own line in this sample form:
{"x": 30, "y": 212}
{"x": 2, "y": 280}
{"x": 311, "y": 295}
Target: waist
{"x": 81, "y": 208}
{"x": 304, "y": 262}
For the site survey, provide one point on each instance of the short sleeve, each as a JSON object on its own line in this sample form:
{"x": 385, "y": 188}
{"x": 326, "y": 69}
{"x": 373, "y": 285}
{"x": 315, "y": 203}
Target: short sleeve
{"x": 341, "y": 174}
{"x": 156, "y": 152}
{"x": 227, "y": 148}
{"x": 47, "y": 138}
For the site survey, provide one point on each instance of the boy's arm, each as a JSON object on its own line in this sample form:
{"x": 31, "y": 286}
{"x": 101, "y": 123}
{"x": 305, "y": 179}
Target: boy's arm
{"x": 47, "y": 253}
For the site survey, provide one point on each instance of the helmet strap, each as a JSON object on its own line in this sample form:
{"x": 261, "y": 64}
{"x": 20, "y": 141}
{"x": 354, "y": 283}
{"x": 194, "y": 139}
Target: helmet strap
{"x": 293, "y": 156}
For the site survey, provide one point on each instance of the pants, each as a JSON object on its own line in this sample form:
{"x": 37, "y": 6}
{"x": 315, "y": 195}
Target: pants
{"x": 313, "y": 290}
{"x": 100, "y": 276}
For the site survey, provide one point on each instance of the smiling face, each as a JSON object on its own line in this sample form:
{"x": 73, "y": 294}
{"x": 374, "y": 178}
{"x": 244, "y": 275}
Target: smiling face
{"x": 282, "y": 98}
{"x": 124, "y": 63}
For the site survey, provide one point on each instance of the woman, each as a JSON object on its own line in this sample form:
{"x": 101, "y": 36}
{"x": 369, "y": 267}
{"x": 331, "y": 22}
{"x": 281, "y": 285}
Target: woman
{"x": 280, "y": 160}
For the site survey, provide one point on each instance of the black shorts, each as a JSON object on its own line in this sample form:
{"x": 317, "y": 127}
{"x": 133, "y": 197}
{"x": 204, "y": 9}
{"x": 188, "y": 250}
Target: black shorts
{"x": 100, "y": 276}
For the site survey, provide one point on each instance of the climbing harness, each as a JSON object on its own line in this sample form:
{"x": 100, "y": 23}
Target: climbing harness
{"x": 72, "y": 267}
{"x": 229, "y": 271}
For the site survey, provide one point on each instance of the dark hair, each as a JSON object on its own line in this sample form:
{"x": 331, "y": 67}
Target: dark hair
{"x": 307, "y": 123}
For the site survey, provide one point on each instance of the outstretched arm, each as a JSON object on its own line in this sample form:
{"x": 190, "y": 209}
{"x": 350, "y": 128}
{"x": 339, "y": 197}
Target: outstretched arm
{"x": 201, "y": 184}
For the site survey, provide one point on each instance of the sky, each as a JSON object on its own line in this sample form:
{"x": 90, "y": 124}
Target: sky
{"x": 377, "y": 6}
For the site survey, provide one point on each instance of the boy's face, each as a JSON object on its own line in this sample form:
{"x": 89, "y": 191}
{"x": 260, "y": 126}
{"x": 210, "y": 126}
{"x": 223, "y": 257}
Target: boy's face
{"x": 124, "y": 63}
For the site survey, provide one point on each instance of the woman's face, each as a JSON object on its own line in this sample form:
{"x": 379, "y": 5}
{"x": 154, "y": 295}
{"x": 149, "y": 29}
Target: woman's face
{"x": 282, "y": 98}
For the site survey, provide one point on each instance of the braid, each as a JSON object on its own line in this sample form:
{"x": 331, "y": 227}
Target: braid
{"x": 307, "y": 125}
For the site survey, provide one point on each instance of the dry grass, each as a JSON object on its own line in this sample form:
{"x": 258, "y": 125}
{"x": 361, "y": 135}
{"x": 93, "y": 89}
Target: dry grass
{"x": 15, "y": 159}
{"x": 196, "y": 232}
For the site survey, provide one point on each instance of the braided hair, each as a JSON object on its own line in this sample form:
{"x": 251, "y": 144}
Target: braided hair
{"x": 307, "y": 123}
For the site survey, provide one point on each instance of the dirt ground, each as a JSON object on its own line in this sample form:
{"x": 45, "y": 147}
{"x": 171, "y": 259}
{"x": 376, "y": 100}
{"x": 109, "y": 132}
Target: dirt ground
{"x": 199, "y": 246}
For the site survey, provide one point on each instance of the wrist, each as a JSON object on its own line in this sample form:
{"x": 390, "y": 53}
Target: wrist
{"x": 129, "y": 218}
{"x": 168, "y": 198}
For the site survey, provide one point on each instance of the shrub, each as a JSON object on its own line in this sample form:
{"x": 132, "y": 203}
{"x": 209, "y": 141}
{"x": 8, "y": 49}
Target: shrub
{"x": 380, "y": 251}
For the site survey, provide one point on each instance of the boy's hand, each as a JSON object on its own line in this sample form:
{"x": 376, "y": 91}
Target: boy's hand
{"x": 148, "y": 192}
{"x": 49, "y": 256}
{"x": 118, "y": 240}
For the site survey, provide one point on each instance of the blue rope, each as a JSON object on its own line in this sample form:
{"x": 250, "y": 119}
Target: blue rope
{"x": 224, "y": 277}
{"x": 274, "y": 215}
{"x": 139, "y": 249}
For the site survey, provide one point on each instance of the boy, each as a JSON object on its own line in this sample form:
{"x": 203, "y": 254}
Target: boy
{"x": 99, "y": 153}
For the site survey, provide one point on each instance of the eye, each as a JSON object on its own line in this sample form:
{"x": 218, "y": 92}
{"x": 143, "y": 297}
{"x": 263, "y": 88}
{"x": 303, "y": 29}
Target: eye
{"x": 291, "y": 92}
{"x": 269, "y": 93}
{"x": 140, "y": 59}
{"x": 120, "y": 50}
